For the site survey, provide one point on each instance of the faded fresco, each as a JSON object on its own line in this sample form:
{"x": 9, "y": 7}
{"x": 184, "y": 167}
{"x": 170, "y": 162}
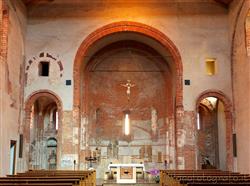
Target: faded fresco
{"x": 127, "y": 80}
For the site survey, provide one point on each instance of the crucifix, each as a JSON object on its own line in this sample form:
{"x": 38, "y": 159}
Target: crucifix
{"x": 128, "y": 85}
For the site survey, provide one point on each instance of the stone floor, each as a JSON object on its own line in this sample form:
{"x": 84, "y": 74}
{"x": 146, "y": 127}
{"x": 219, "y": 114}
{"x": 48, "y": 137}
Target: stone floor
{"x": 140, "y": 182}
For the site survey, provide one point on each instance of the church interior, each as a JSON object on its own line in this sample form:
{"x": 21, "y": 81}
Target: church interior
{"x": 151, "y": 85}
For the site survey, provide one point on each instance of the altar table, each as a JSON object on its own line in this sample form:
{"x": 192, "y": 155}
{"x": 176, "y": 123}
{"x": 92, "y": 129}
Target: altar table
{"x": 126, "y": 173}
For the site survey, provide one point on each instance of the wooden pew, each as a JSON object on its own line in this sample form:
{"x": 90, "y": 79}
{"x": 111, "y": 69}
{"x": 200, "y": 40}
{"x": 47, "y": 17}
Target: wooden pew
{"x": 202, "y": 177}
{"x": 48, "y": 178}
{"x": 91, "y": 175}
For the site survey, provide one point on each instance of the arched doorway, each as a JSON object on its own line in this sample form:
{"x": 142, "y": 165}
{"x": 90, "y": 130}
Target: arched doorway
{"x": 214, "y": 131}
{"x": 107, "y": 61}
{"x": 42, "y": 129}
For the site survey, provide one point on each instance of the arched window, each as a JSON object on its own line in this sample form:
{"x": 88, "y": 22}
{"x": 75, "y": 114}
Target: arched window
{"x": 52, "y": 142}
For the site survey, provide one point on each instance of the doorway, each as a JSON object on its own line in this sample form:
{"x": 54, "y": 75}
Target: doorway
{"x": 211, "y": 130}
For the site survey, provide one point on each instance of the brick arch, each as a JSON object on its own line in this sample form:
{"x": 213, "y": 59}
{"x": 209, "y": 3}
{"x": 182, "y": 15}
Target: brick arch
{"x": 119, "y": 27}
{"x": 228, "y": 117}
{"x": 218, "y": 94}
{"x": 26, "y": 129}
{"x": 47, "y": 93}
{"x": 31, "y": 100}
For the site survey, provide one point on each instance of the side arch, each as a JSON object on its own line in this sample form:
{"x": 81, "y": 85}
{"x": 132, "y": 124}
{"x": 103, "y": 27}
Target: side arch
{"x": 27, "y": 120}
{"x": 228, "y": 117}
{"x": 218, "y": 94}
{"x": 30, "y": 101}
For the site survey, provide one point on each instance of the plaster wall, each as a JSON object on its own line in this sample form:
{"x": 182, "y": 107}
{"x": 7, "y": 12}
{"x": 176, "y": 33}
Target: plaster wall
{"x": 241, "y": 82}
{"x": 198, "y": 34}
{"x": 222, "y": 135}
{"x": 11, "y": 83}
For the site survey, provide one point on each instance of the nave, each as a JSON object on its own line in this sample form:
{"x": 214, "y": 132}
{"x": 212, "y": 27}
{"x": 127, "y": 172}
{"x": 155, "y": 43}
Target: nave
{"x": 205, "y": 177}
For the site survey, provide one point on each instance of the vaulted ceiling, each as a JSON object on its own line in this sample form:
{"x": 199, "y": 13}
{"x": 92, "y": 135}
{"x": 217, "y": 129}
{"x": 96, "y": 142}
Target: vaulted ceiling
{"x": 224, "y": 2}
{"x": 77, "y": 8}
{"x": 37, "y": 2}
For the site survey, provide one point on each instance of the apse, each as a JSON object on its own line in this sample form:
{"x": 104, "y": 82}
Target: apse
{"x": 127, "y": 83}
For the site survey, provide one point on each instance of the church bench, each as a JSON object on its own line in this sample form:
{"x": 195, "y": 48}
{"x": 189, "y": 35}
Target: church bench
{"x": 198, "y": 172}
{"x": 37, "y": 184}
{"x": 208, "y": 175}
{"x": 42, "y": 178}
{"x": 40, "y": 174}
{"x": 75, "y": 182}
{"x": 58, "y": 172}
{"x": 81, "y": 178}
{"x": 45, "y": 180}
{"x": 220, "y": 184}
{"x": 195, "y": 171}
{"x": 213, "y": 180}
{"x": 179, "y": 178}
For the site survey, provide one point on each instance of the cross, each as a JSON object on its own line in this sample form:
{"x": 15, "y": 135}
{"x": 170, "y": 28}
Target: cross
{"x": 128, "y": 85}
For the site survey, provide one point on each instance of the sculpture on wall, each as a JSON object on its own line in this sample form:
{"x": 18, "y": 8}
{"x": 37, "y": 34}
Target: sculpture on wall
{"x": 52, "y": 160}
{"x": 109, "y": 150}
{"x": 142, "y": 152}
{"x": 149, "y": 152}
{"x": 128, "y": 85}
{"x": 113, "y": 149}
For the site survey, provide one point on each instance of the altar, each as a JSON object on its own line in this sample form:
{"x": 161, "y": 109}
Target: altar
{"x": 126, "y": 173}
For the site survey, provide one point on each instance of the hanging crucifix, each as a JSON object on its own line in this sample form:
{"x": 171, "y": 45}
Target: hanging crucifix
{"x": 128, "y": 85}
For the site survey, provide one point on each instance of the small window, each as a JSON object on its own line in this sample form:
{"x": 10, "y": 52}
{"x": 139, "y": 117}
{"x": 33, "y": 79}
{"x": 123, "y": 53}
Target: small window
{"x": 210, "y": 66}
{"x": 44, "y": 68}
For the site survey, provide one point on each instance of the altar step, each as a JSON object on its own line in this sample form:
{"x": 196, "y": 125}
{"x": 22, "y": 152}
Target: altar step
{"x": 140, "y": 182}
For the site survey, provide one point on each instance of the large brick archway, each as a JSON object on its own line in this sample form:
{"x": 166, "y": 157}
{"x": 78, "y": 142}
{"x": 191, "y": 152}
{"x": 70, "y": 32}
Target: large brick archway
{"x": 229, "y": 120}
{"x": 28, "y": 109}
{"x": 47, "y": 93}
{"x": 126, "y": 26}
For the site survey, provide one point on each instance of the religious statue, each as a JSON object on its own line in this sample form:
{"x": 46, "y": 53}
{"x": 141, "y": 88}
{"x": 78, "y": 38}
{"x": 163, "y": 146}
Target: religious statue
{"x": 128, "y": 85}
{"x": 142, "y": 152}
{"x": 115, "y": 149}
{"x": 149, "y": 152}
{"x": 52, "y": 160}
{"x": 109, "y": 150}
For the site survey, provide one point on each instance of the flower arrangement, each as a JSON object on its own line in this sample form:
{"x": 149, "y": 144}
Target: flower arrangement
{"x": 155, "y": 173}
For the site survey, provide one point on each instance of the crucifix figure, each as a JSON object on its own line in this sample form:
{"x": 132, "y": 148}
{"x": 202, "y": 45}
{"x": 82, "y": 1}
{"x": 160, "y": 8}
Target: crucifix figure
{"x": 128, "y": 85}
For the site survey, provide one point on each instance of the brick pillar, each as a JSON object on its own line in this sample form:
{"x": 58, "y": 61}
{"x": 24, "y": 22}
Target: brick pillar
{"x": 179, "y": 116}
{"x": 229, "y": 141}
{"x": 76, "y": 134}
{"x": 189, "y": 126}
{"x": 171, "y": 141}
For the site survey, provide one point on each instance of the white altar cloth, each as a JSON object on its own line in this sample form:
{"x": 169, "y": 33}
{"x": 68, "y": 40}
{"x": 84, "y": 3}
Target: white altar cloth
{"x": 124, "y": 166}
